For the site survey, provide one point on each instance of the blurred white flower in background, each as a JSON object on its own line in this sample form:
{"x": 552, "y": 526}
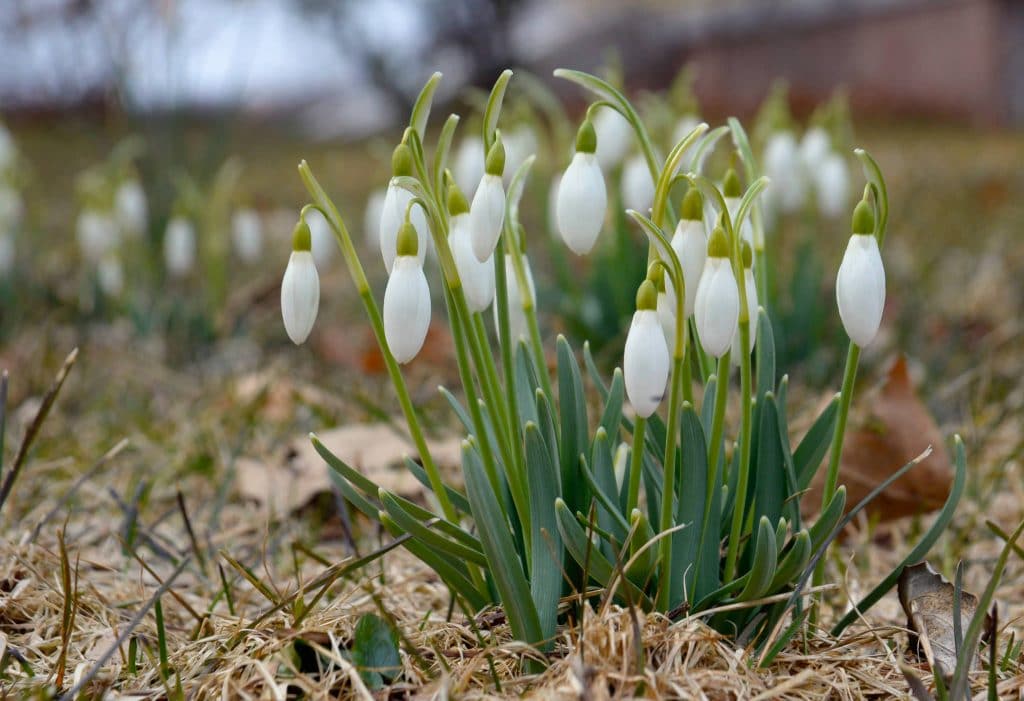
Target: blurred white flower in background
{"x": 468, "y": 164}
{"x": 637, "y": 184}
{"x": 614, "y": 137}
{"x": 96, "y": 233}
{"x": 371, "y": 216}
{"x": 247, "y": 234}
{"x": 179, "y": 246}
{"x": 110, "y": 275}
{"x": 323, "y": 245}
{"x": 130, "y": 207}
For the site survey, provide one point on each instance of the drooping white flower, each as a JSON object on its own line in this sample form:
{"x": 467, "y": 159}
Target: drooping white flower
{"x": 582, "y": 198}
{"x": 477, "y": 276}
{"x": 110, "y": 275}
{"x": 717, "y": 306}
{"x": 96, "y": 233}
{"x": 372, "y": 214}
{"x": 131, "y": 207}
{"x": 300, "y": 287}
{"x": 520, "y": 143}
{"x": 322, "y": 240}
{"x": 833, "y": 186}
{"x": 645, "y": 362}
{"x": 468, "y": 164}
{"x": 667, "y": 318}
{"x": 393, "y": 215}
{"x": 247, "y": 234}
{"x": 788, "y": 188}
{"x": 814, "y": 147}
{"x": 750, "y": 287}
{"x": 487, "y": 213}
{"x": 690, "y": 243}
{"x": 860, "y": 284}
{"x": 637, "y": 184}
{"x": 614, "y": 136}
{"x": 518, "y": 328}
{"x": 8, "y": 251}
{"x": 406, "y": 308}
{"x": 179, "y": 246}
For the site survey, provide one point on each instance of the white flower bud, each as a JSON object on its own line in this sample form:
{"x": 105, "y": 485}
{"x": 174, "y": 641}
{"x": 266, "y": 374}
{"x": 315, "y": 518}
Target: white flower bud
{"x": 782, "y": 165}
{"x": 96, "y": 233}
{"x": 860, "y": 288}
{"x": 8, "y": 252}
{"x": 614, "y": 136}
{"x": 322, "y": 240}
{"x": 300, "y": 295}
{"x": 247, "y": 234}
{"x": 179, "y": 246}
{"x": 637, "y": 185}
{"x": 645, "y": 362}
{"x": 406, "y": 308}
{"x": 813, "y": 149}
{"x": 486, "y": 215}
{"x": 582, "y": 200}
{"x": 833, "y": 186}
{"x": 752, "y": 306}
{"x": 518, "y": 328}
{"x": 717, "y": 306}
{"x": 372, "y": 215}
{"x": 130, "y": 206}
{"x": 110, "y": 275}
{"x": 468, "y": 165}
{"x": 393, "y": 215}
{"x": 477, "y": 277}
{"x": 690, "y": 243}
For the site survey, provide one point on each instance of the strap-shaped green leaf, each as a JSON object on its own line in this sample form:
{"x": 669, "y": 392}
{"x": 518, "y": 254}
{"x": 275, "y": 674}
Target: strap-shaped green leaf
{"x": 421, "y": 109}
{"x": 457, "y": 498}
{"x": 611, "y": 418}
{"x": 493, "y": 109}
{"x": 690, "y": 510}
{"x": 762, "y": 572}
{"x": 609, "y": 516}
{"x": 792, "y": 507}
{"x": 444, "y": 145}
{"x": 707, "y": 404}
{"x": 460, "y": 411}
{"x": 808, "y": 455}
{"x": 525, "y": 386}
{"x": 764, "y": 353}
{"x": 828, "y": 518}
{"x": 792, "y": 563}
{"x": 574, "y": 429}
{"x": 770, "y": 484}
{"x": 644, "y": 560}
{"x": 546, "y": 556}
{"x": 429, "y": 537}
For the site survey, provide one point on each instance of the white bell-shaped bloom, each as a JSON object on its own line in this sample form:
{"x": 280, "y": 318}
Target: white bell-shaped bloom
{"x": 645, "y": 362}
{"x": 393, "y": 214}
{"x": 582, "y": 200}
{"x": 667, "y": 316}
{"x": 131, "y": 207}
{"x": 860, "y": 288}
{"x": 11, "y": 207}
{"x": 371, "y": 216}
{"x": 833, "y": 186}
{"x": 814, "y": 147}
{"x": 110, "y": 275}
{"x": 406, "y": 308}
{"x": 96, "y": 233}
{"x": 788, "y": 188}
{"x": 614, "y": 136}
{"x": 8, "y": 251}
{"x": 179, "y": 246}
{"x": 752, "y": 305}
{"x": 690, "y": 243}
{"x": 300, "y": 295}
{"x": 520, "y": 144}
{"x": 486, "y": 215}
{"x": 518, "y": 328}
{"x": 747, "y": 229}
{"x": 637, "y": 185}
{"x": 468, "y": 164}
{"x": 717, "y": 306}
{"x": 322, "y": 242}
{"x": 247, "y": 234}
{"x": 477, "y": 277}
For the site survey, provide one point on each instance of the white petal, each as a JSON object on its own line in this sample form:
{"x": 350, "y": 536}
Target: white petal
{"x": 130, "y": 205}
{"x": 486, "y": 214}
{"x": 782, "y": 165}
{"x": 637, "y": 185}
{"x": 690, "y": 242}
{"x": 860, "y": 289}
{"x": 323, "y": 243}
{"x": 469, "y": 163}
{"x": 96, "y": 234}
{"x": 372, "y": 214}
{"x": 179, "y": 246}
{"x": 645, "y": 363}
{"x": 752, "y": 307}
{"x": 247, "y": 234}
{"x": 477, "y": 278}
{"x": 516, "y": 315}
{"x": 833, "y": 186}
{"x": 667, "y": 318}
{"x": 393, "y": 216}
{"x": 406, "y": 308}
{"x": 581, "y": 203}
{"x": 717, "y": 307}
{"x": 814, "y": 148}
{"x": 300, "y": 295}
{"x": 614, "y": 137}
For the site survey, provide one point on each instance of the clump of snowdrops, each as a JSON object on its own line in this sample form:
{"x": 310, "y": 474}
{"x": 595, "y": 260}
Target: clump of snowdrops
{"x": 651, "y": 500}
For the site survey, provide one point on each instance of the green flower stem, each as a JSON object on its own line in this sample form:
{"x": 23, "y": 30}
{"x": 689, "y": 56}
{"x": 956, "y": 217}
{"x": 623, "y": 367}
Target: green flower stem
{"x": 636, "y": 465}
{"x": 718, "y": 418}
{"x": 761, "y": 269}
{"x": 341, "y": 234}
{"x": 746, "y": 425}
{"x": 669, "y": 485}
{"x": 530, "y": 311}
{"x": 491, "y": 386}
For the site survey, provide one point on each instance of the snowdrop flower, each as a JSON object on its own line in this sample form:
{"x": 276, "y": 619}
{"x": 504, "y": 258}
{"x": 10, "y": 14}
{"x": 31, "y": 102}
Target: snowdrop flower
{"x": 582, "y": 199}
{"x": 637, "y": 184}
{"x": 179, "y": 246}
{"x": 752, "y": 305}
{"x": 11, "y": 207}
{"x": 96, "y": 233}
{"x": 690, "y": 243}
{"x": 477, "y": 277}
{"x": 666, "y": 306}
{"x": 8, "y": 251}
{"x": 371, "y": 217}
{"x": 733, "y": 193}
{"x": 520, "y": 144}
{"x": 110, "y": 275}
{"x": 814, "y": 147}
{"x": 614, "y": 136}
{"x": 322, "y": 240}
{"x": 556, "y": 181}
{"x": 833, "y": 186}
{"x": 518, "y": 328}
{"x": 300, "y": 287}
{"x": 468, "y": 165}
{"x": 645, "y": 361}
{"x": 717, "y": 306}
{"x": 406, "y": 298}
{"x": 247, "y": 234}
{"x": 487, "y": 213}
{"x": 860, "y": 284}
{"x": 130, "y": 206}
{"x": 782, "y": 165}
{"x": 396, "y": 201}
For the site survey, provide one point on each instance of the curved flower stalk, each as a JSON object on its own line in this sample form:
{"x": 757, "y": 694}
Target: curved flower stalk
{"x": 690, "y": 243}
{"x": 752, "y": 304}
{"x": 398, "y": 207}
{"x": 582, "y": 198}
{"x": 717, "y": 304}
{"x": 180, "y": 246}
{"x": 645, "y": 361}
{"x": 487, "y": 212}
{"x": 477, "y": 277}
{"x": 247, "y": 234}
{"x": 300, "y": 287}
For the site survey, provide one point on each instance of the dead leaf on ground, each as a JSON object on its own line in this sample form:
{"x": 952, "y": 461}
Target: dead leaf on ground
{"x": 889, "y": 427}
{"x": 293, "y": 477}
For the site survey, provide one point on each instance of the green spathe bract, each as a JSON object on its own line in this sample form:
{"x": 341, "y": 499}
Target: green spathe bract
{"x": 703, "y": 517}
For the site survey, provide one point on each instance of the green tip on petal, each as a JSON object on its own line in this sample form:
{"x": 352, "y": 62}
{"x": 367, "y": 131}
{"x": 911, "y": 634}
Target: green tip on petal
{"x": 408, "y": 243}
{"x": 656, "y": 274}
{"x": 401, "y": 160}
{"x": 746, "y": 254}
{"x": 718, "y": 244}
{"x": 586, "y": 138}
{"x": 646, "y": 296}
{"x": 302, "y": 239}
{"x": 693, "y": 205}
{"x": 457, "y": 203}
{"x": 863, "y": 218}
{"x": 731, "y": 184}
{"x": 495, "y": 164}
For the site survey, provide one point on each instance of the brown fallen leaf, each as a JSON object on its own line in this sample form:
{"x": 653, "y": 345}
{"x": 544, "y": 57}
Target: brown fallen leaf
{"x": 293, "y": 477}
{"x": 927, "y": 599}
{"x": 889, "y": 427}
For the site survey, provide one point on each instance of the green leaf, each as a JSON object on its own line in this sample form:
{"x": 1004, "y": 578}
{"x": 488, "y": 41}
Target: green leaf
{"x": 515, "y": 193}
{"x": 444, "y": 144}
{"x": 546, "y": 557}
{"x": 505, "y": 565}
{"x": 686, "y": 544}
{"x": 742, "y": 143}
{"x": 704, "y": 147}
{"x": 764, "y": 353}
{"x": 421, "y": 109}
{"x": 375, "y": 651}
{"x": 770, "y": 482}
{"x": 792, "y": 491}
{"x": 422, "y": 532}
{"x": 707, "y": 405}
{"x": 457, "y": 498}
{"x": 808, "y": 455}
{"x": 601, "y": 481}
{"x": 493, "y": 109}
{"x": 762, "y": 572}
{"x": 792, "y": 563}
{"x": 574, "y": 426}
{"x": 828, "y": 518}
{"x": 611, "y": 418}
{"x": 546, "y": 423}
{"x": 460, "y": 411}
{"x": 644, "y": 559}
{"x": 874, "y": 175}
